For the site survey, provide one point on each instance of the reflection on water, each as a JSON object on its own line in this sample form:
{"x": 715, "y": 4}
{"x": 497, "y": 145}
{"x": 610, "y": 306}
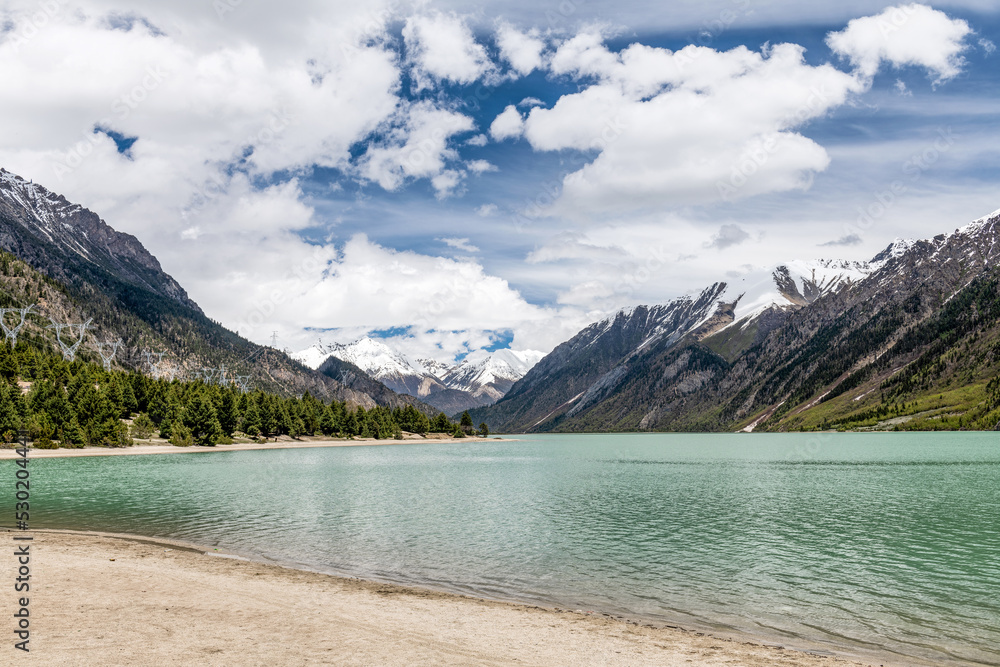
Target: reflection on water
{"x": 888, "y": 542}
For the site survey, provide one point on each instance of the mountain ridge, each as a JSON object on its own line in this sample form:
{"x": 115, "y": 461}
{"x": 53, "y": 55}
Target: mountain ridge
{"x": 451, "y": 388}
{"x": 777, "y": 368}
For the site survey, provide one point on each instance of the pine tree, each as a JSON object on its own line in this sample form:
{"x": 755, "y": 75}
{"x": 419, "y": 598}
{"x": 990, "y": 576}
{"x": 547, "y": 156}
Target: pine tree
{"x": 251, "y": 420}
{"x": 10, "y": 417}
{"x": 441, "y": 424}
{"x": 73, "y": 435}
{"x": 466, "y": 422}
{"x": 226, "y": 411}
{"x": 8, "y": 364}
{"x": 200, "y": 417}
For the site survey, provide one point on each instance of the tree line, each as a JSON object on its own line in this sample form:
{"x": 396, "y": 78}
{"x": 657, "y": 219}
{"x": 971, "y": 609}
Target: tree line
{"x": 74, "y": 404}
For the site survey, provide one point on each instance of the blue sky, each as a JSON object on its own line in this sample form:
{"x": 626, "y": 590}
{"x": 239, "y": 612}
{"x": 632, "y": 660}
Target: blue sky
{"x": 327, "y": 169}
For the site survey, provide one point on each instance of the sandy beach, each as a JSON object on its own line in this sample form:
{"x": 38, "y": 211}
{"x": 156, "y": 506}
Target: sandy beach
{"x": 162, "y": 447}
{"x": 109, "y": 600}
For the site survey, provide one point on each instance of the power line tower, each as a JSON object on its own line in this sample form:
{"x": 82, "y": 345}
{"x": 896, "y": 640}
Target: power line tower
{"x": 155, "y": 367}
{"x": 108, "y": 349}
{"x": 69, "y": 351}
{"x": 11, "y": 333}
{"x": 243, "y": 382}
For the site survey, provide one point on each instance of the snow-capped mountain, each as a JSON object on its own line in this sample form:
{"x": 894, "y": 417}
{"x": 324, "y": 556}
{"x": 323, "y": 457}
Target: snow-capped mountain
{"x": 792, "y": 285}
{"x": 393, "y": 369}
{"x": 60, "y": 238}
{"x": 493, "y": 376}
{"x": 451, "y": 388}
{"x": 768, "y": 348}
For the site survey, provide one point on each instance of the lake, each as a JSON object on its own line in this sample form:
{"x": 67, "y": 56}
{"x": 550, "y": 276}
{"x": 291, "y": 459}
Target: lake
{"x": 868, "y": 544}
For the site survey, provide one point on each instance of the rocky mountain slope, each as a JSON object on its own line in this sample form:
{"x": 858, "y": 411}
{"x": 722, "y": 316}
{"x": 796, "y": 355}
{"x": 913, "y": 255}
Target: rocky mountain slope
{"x": 866, "y": 347}
{"x": 72, "y": 266}
{"x": 451, "y": 389}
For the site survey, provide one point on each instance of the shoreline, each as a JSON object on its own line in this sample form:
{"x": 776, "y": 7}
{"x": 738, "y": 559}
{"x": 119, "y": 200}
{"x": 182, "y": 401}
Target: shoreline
{"x": 127, "y": 599}
{"x": 162, "y": 447}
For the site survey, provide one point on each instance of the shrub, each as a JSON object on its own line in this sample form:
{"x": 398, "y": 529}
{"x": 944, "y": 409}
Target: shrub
{"x": 180, "y": 436}
{"x": 143, "y": 427}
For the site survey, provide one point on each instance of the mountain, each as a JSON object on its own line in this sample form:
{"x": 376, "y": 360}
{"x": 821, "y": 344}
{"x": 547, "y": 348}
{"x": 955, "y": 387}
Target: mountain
{"x": 451, "y": 389}
{"x": 70, "y": 243}
{"x": 493, "y": 376}
{"x": 822, "y": 344}
{"x": 72, "y": 266}
{"x": 379, "y": 361}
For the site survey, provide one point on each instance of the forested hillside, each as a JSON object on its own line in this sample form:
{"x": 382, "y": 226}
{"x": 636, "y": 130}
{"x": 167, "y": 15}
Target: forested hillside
{"x": 74, "y": 404}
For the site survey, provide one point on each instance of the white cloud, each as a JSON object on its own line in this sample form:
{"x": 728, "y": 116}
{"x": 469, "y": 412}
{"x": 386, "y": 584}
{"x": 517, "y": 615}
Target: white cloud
{"x": 460, "y": 244}
{"x": 371, "y": 286}
{"x": 417, "y": 147}
{"x": 987, "y": 46}
{"x": 478, "y": 140}
{"x": 508, "y": 125}
{"x": 904, "y": 35}
{"x": 446, "y": 183}
{"x": 523, "y": 50}
{"x": 480, "y": 166}
{"x": 531, "y": 102}
{"x": 196, "y": 107}
{"x": 487, "y": 210}
{"x": 442, "y": 47}
{"x": 685, "y": 127}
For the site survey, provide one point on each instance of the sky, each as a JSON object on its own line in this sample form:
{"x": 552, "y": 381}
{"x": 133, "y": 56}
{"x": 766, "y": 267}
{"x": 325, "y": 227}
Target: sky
{"x": 455, "y": 177}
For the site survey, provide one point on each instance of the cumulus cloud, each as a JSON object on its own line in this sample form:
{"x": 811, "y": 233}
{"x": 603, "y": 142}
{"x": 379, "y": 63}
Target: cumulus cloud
{"x": 480, "y": 166}
{"x": 686, "y": 127}
{"x": 369, "y": 285}
{"x": 441, "y": 47}
{"x": 487, "y": 210}
{"x": 904, "y": 35}
{"x": 523, "y": 50}
{"x": 196, "y": 109}
{"x": 727, "y": 236}
{"x": 417, "y": 147}
{"x": 508, "y": 125}
{"x": 664, "y": 129}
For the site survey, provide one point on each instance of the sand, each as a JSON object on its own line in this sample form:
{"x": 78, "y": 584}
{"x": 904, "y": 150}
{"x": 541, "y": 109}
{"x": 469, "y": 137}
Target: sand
{"x": 161, "y": 447}
{"x": 103, "y": 600}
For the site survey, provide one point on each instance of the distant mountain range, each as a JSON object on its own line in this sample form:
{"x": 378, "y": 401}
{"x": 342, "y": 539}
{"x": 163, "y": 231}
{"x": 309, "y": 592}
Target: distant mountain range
{"x": 73, "y": 267}
{"x": 910, "y": 339}
{"x": 450, "y": 388}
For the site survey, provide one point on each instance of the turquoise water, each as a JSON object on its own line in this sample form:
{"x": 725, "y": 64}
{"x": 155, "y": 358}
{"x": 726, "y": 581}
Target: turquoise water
{"x": 881, "y": 543}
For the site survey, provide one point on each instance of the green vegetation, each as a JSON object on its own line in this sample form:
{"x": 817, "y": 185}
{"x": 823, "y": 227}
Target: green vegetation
{"x": 76, "y": 404}
{"x": 941, "y": 374}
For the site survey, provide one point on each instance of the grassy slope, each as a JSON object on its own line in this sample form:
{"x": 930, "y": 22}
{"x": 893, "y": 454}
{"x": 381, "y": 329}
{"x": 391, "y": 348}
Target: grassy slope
{"x": 936, "y": 377}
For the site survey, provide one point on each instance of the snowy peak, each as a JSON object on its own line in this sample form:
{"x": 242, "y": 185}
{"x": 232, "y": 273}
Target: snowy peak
{"x": 393, "y": 369}
{"x": 498, "y": 372}
{"x": 38, "y": 221}
{"x": 483, "y": 382}
{"x": 792, "y": 285}
{"x": 48, "y": 210}
{"x": 897, "y": 248}
{"x": 668, "y": 322}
